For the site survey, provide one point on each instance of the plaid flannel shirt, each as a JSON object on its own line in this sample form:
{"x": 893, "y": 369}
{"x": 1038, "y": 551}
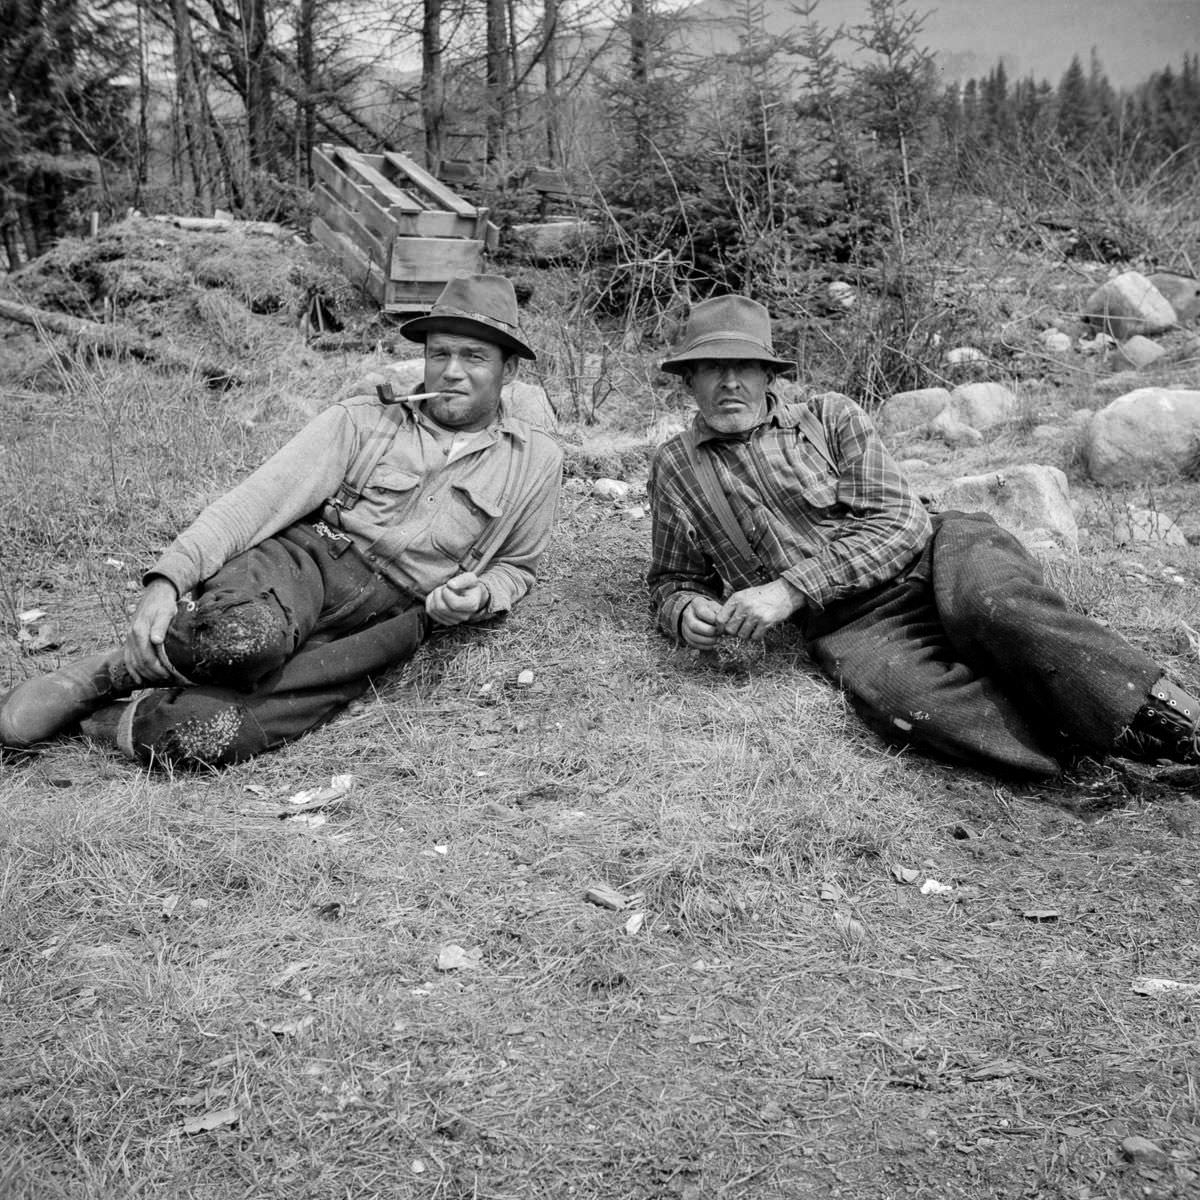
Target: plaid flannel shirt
{"x": 830, "y": 535}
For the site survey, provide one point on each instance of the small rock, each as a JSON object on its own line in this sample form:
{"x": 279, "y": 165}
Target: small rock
{"x": 1141, "y": 351}
{"x": 610, "y": 489}
{"x": 525, "y": 679}
{"x": 1054, "y": 341}
{"x": 1100, "y": 344}
{"x": 1142, "y": 1150}
{"x": 964, "y": 354}
{"x": 841, "y": 293}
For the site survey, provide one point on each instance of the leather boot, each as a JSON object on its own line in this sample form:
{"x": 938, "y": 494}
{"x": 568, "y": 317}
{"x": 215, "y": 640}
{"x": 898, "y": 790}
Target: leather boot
{"x": 1166, "y": 726}
{"x": 43, "y": 707}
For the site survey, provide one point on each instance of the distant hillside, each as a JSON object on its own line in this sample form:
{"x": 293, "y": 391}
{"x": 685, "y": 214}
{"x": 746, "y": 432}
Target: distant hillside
{"x": 1032, "y": 37}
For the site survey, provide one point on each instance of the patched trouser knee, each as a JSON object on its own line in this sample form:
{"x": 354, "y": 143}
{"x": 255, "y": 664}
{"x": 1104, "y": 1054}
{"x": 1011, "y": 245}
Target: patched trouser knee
{"x": 230, "y": 643}
{"x": 188, "y": 727}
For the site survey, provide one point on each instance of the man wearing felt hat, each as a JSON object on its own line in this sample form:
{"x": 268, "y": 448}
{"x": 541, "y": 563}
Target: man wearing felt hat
{"x": 328, "y": 564}
{"x": 941, "y": 630}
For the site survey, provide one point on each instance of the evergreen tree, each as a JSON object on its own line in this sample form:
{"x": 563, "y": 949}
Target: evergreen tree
{"x": 895, "y": 88}
{"x": 1077, "y": 118}
{"x": 63, "y": 68}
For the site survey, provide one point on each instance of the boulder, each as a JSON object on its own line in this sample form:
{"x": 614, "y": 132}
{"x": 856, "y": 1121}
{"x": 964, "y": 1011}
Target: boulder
{"x": 907, "y": 410}
{"x": 1182, "y": 293}
{"x": 1141, "y": 351}
{"x": 1140, "y": 525}
{"x": 1031, "y": 500}
{"x": 983, "y": 405}
{"x": 1148, "y": 432}
{"x": 1127, "y": 304}
{"x": 953, "y": 430}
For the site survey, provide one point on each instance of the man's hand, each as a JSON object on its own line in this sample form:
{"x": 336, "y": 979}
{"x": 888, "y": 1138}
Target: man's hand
{"x": 698, "y": 625}
{"x": 748, "y": 614}
{"x": 145, "y": 658}
{"x": 457, "y": 599}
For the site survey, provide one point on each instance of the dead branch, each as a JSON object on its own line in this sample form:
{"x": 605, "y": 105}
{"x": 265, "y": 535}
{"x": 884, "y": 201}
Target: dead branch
{"x": 117, "y": 339}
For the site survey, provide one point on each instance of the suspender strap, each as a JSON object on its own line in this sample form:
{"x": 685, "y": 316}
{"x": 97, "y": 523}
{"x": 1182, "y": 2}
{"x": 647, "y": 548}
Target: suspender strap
{"x": 813, "y": 430}
{"x": 376, "y": 445}
{"x": 718, "y": 502}
{"x": 349, "y": 493}
{"x": 810, "y": 425}
{"x": 494, "y": 532}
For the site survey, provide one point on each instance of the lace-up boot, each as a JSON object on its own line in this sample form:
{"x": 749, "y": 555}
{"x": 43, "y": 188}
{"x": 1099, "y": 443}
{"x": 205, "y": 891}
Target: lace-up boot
{"x": 1166, "y": 726}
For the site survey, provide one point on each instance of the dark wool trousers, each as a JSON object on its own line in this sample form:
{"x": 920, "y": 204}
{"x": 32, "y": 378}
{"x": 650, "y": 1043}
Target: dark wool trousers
{"x": 972, "y": 655}
{"x": 277, "y": 642}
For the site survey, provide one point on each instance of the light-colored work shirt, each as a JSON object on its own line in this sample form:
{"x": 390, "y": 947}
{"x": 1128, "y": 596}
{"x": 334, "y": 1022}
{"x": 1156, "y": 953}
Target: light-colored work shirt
{"x": 427, "y": 504}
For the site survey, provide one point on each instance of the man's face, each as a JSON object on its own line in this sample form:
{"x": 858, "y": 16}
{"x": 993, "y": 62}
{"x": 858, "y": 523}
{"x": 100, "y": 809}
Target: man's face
{"x": 467, "y": 373}
{"x": 731, "y": 393}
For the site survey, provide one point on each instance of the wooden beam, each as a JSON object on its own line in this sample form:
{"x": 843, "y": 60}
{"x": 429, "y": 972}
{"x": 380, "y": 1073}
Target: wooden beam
{"x": 351, "y": 261}
{"x": 428, "y": 184}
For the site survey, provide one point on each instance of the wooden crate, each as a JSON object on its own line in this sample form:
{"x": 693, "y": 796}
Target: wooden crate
{"x": 393, "y": 228}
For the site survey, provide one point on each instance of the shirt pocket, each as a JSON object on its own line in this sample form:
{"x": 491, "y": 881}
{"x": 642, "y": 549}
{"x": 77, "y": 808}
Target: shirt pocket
{"x": 812, "y": 493}
{"x": 391, "y": 485}
{"x": 466, "y": 510}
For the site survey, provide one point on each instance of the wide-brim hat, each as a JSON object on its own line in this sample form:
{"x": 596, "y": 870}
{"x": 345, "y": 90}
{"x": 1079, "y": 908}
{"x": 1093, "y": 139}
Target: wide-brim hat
{"x": 726, "y": 327}
{"x": 483, "y": 306}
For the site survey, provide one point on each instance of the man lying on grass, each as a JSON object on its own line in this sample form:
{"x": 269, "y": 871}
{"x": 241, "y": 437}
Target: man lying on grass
{"x": 942, "y": 631}
{"x": 325, "y": 567}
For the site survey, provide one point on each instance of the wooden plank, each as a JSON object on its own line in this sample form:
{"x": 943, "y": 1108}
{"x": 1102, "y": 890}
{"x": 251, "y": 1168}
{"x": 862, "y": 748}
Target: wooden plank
{"x": 356, "y": 199}
{"x": 421, "y": 259}
{"x": 427, "y": 183}
{"x": 358, "y": 165}
{"x": 411, "y": 297}
{"x": 350, "y": 260}
{"x": 342, "y": 220}
{"x": 382, "y": 223}
{"x": 436, "y": 225}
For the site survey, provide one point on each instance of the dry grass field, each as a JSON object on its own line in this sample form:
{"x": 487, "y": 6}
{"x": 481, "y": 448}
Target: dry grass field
{"x": 419, "y": 996}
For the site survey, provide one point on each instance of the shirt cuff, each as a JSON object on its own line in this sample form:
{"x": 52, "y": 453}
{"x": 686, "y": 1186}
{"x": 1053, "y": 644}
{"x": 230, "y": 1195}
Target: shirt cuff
{"x": 174, "y": 568}
{"x": 671, "y": 613}
{"x": 808, "y": 579}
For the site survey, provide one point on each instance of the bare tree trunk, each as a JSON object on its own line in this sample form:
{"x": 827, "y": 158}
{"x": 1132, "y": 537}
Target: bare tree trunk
{"x": 639, "y": 73}
{"x": 433, "y": 86}
{"x": 8, "y": 237}
{"x": 496, "y": 119}
{"x": 307, "y": 124}
{"x": 143, "y": 126}
{"x": 260, "y": 117}
{"x": 195, "y": 132}
{"x": 550, "y": 94}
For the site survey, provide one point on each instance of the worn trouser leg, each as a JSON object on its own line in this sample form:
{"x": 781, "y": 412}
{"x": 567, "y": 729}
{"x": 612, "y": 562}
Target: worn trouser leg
{"x": 1079, "y": 680}
{"x": 975, "y": 657}
{"x": 905, "y": 679}
{"x": 277, "y": 642}
{"x": 213, "y": 726}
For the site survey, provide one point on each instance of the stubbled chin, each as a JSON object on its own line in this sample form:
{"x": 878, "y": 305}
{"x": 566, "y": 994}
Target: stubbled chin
{"x": 734, "y": 422}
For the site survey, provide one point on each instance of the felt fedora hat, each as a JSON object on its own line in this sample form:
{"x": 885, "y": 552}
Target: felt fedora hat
{"x": 483, "y": 306}
{"x": 726, "y": 327}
